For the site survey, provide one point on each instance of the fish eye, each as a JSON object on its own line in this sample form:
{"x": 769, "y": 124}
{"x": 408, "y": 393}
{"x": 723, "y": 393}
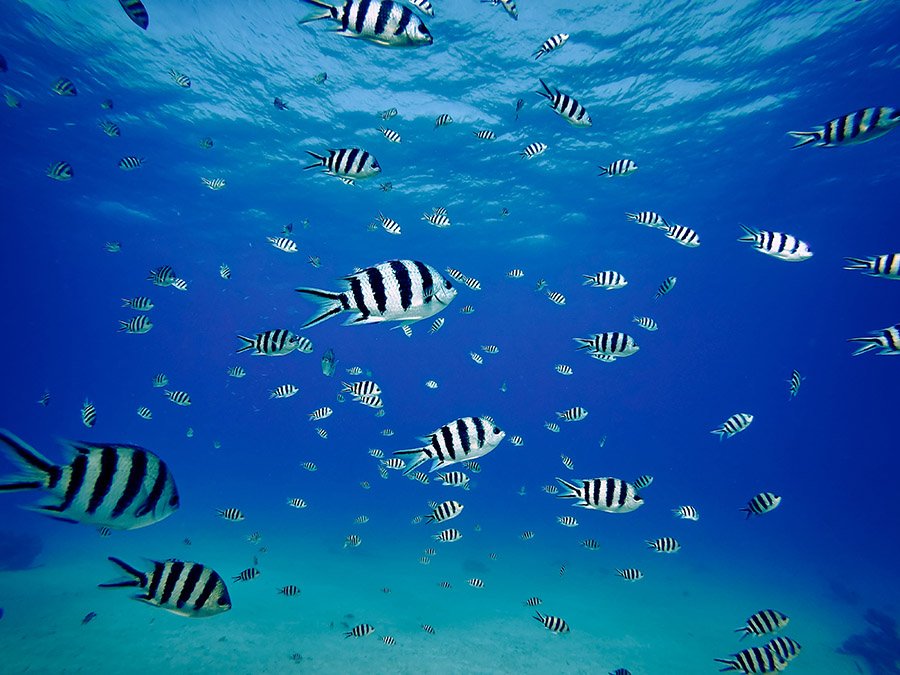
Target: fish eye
{"x": 638, "y": 498}
{"x": 447, "y": 284}
{"x": 223, "y": 602}
{"x": 174, "y": 500}
{"x": 497, "y": 430}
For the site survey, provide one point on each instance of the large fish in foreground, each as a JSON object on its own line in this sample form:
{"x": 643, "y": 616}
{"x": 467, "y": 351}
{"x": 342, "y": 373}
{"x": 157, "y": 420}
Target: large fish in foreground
{"x": 347, "y": 163}
{"x": 396, "y": 290}
{"x": 458, "y": 441}
{"x": 850, "y": 129}
{"x": 382, "y": 22}
{"x": 184, "y": 588}
{"x": 123, "y": 487}
{"x": 612, "y": 495}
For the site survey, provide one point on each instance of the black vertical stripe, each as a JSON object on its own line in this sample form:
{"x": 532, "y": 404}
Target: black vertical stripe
{"x": 610, "y": 489}
{"x": 152, "y": 501}
{"x": 345, "y": 13}
{"x": 155, "y": 578}
{"x": 623, "y": 495}
{"x": 447, "y": 437}
{"x": 406, "y": 16}
{"x": 76, "y": 479}
{"x": 207, "y": 591}
{"x": 479, "y": 430}
{"x": 349, "y": 162}
{"x": 462, "y": 430}
{"x": 384, "y": 15}
{"x": 190, "y": 583}
{"x": 358, "y": 300}
{"x": 136, "y": 477}
{"x": 361, "y": 10}
{"x": 428, "y": 280}
{"x": 376, "y": 283}
{"x": 174, "y": 571}
{"x": 404, "y": 282}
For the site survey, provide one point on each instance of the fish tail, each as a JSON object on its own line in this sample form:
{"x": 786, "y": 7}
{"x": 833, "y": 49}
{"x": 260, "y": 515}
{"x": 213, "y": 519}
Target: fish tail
{"x": 36, "y": 470}
{"x": 586, "y": 343}
{"x": 139, "y": 578}
{"x": 805, "y": 137}
{"x": 603, "y": 171}
{"x": 546, "y": 93}
{"x": 123, "y": 325}
{"x": 573, "y": 490}
{"x": 331, "y": 12}
{"x": 870, "y": 343}
{"x": 538, "y": 616}
{"x": 415, "y": 464}
{"x": 750, "y": 234}
{"x": 732, "y": 665}
{"x": 743, "y": 629}
{"x": 250, "y": 344}
{"x": 320, "y": 158}
{"x": 857, "y": 264}
{"x": 330, "y": 303}
{"x": 719, "y": 432}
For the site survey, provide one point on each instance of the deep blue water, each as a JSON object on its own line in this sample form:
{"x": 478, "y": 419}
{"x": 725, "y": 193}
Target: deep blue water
{"x": 699, "y": 94}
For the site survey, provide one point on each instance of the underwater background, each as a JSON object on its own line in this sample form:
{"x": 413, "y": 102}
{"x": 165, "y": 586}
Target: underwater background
{"x": 700, "y": 95}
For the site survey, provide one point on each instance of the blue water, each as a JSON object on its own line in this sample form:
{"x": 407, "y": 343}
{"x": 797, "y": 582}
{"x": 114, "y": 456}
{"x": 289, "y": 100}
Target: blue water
{"x": 700, "y": 95}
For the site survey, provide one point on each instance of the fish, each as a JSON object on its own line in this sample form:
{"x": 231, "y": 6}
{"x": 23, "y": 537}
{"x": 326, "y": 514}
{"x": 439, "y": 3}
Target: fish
{"x": 646, "y": 323}
{"x": 381, "y": 22}
{"x": 144, "y": 412}
{"x": 885, "y": 266}
{"x": 620, "y": 671}
{"x": 442, "y": 120}
{"x": 621, "y": 167}
{"x": 160, "y": 380}
{"x": 467, "y": 309}
{"x": 386, "y": 187}
{"x": 444, "y": 511}
{"x": 853, "y": 128}
{"x": 314, "y": 260}
{"x": 123, "y": 487}
{"x": 88, "y": 414}
{"x": 181, "y": 398}
{"x": 556, "y": 298}
{"x": 472, "y": 465}
{"x": 490, "y": 349}
{"x": 630, "y": 574}
{"x": 763, "y": 622}
{"x": 567, "y": 521}
{"x": 532, "y": 150}
{"x": 113, "y": 246}
{"x": 352, "y": 541}
{"x": 648, "y": 218}
{"x": 321, "y": 78}
{"x": 508, "y": 5}
{"x": 448, "y": 535}
{"x": 533, "y": 602}
{"x": 762, "y": 503}
{"x": 289, "y": 591}
{"x": 110, "y": 129}
{"x": 90, "y": 616}
{"x": 180, "y": 79}
{"x": 390, "y": 225}
{"x": 777, "y": 244}
{"x": 362, "y": 629}
{"x": 232, "y": 514}
{"x": 517, "y": 441}
{"x": 754, "y": 660}
{"x": 64, "y": 87}
{"x": 664, "y": 545}
{"x": 575, "y": 414}
{"x": 206, "y": 143}
{"x": 352, "y": 163}
{"x": 162, "y": 276}
{"x": 612, "y": 495}
{"x": 361, "y": 389}
{"x": 12, "y": 100}
{"x": 276, "y": 342}
{"x": 437, "y": 219}
{"x": 224, "y": 271}
{"x": 590, "y": 544}
{"x": 436, "y": 325}
{"x": 563, "y": 369}
{"x": 254, "y": 537}
{"x": 682, "y": 235}
{"x": 504, "y": 212}
{"x": 454, "y": 479}
{"x": 396, "y": 290}
{"x": 187, "y": 589}
{"x": 213, "y": 183}
{"x": 388, "y": 114}
{"x": 431, "y": 384}
{"x": 323, "y": 434}
{"x": 566, "y": 107}
{"x": 794, "y": 382}
{"x": 665, "y": 287}
{"x": 551, "y": 43}
{"x": 44, "y": 400}
{"x": 428, "y": 629}
{"x": 136, "y": 12}
{"x": 466, "y": 438}
{"x": 783, "y": 647}
{"x": 297, "y": 503}
{"x": 515, "y": 273}
{"x": 642, "y": 482}
{"x": 608, "y": 279}
{"x": 527, "y": 535}
{"x": 246, "y": 575}
{"x": 390, "y": 134}
{"x": 520, "y": 103}
{"x": 552, "y": 623}
{"x": 60, "y": 171}
{"x": 733, "y": 425}
{"x": 475, "y": 583}
{"x": 136, "y": 325}
{"x": 320, "y": 414}
{"x": 387, "y": 639}
{"x": 552, "y": 426}
{"x": 886, "y": 340}
{"x": 279, "y": 103}
{"x": 284, "y": 391}
{"x": 686, "y": 513}
{"x": 140, "y": 303}
{"x": 180, "y": 284}
{"x": 485, "y": 135}
{"x": 477, "y": 358}
{"x": 472, "y": 283}
{"x": 328, "y": 363}
{"x": 609, "y": 344}
{"x": 283, "y": 244}
{"x": 361, "y": 520}
{"x": 130, "y": 163}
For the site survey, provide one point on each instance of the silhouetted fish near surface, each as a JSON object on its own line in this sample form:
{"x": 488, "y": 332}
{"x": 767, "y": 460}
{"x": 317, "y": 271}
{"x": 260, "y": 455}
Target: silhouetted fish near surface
{"x": 90, "y": 616}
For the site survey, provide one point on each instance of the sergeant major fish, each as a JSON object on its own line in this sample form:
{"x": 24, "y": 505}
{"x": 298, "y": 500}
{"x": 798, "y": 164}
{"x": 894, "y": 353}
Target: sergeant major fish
{"x": 347, "y": 163}
{"x": 382, "y": 22}
{"x": 850, "y": 129}
{"x": 566, "y": 107}
{"x": 463, "y": 439}
{"x": 612, "y": 495}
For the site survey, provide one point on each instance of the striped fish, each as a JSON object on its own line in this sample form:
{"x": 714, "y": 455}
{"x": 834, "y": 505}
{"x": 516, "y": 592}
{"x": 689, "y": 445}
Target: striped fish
{"x": 160, "y": 380}
{"x": 284, "y": 391}
{"x": 490, "y": 349}
{"x": 213, "y": 183}
{"x": 184, "y": 588}
{"x": 283, "y": 244}
{"x": 783, "y": 647}
{"x": 533, "y": 150}
{"x": 113, "y": 246}
{"x": 762, "y": 503}
{"x": 532, "y": 602}
{"x": 477, "y": 358}
{"x": 387, "y": 639}
{"x": 388, "y": 114}
{"x": 621, "y": 167}
{"x": 437, "y": 219}
{"x": 180, "y": 79}
{"x": 232, "y": 514}
{"x": 350, "y": 163}
{"x": 556, "y": 298}
{"x": 886, "y": 340}
{"x": 552, "y": 426}
{"x": 642, "y": 482}
{"x": 382, "y": 22}
{"x": 551, "y": 43}
{"x": 88, "y": 414}
{"x": 475, "y": 583}
{"x": 552, "y": 623}
{"x": 609, "y": 279}
{"x": 323, "y": 434}
{"x": 61, "y": 171}
{"x": 309, "y": 466}
{"x": 428, "y": 629}
{"x": 431, "y": 384}
{"x": 390, "y": 134}
{"x": 362, "y": 629}
{"x": 144, "y": 412}
{"x": 122, "y": 487}
{"x": 567, "y": 521}
{"x": 246, "y": 575}
{"x": 320, "y": 414}
{"x": 648, "y": 218}
{"x": 397, "y": 290}
{"x": 777, "y": 244}
{"x": 162, "y": 276}
{"x": 464, "y": 439}
{"x": 64, "y": 87}
{"x": 297, "y": 503}
{"x": 423, "y": 6}
{"x": 140, "y": 303}
{"x": 885, "y": 266}
{"x": 575, "y": 414}
{"x": 630, "y": 574}
{"x": 444, "y": 511}
{"x": 467, "y": 309}
{"x": 853, "y": 128}
{"x": 682, "y": 234}
{"x": 754, "y": 660}
{"x": 563, "y": 369}
{"x": 390, "y": 225}
{"x": 376, "y": 453}
{"x": 289, "y": 591}
{"x": 515, "y": 273}
{"x": 352, "y": 541}
{"x": 508, "y": 5}
{"x": 795, "y": 380}
{"x": 178, "y": 397}
{"x": 136, "y": 325}
{"x": 762, "y": 623}
{"x": 485, "y": 135}
{"x": 277, "y": 342}
{"x": 646, "y": 323}
{"x": 448, "y": 535}
{"x": 206, "y": 143}
{"x": 567, "y": 107}
{"x": 436, "y": 325}
{"x": 130, "y": 163}
{"x": 610, "y": 344}
{"x": 237, "y": 372}
{"x": 442, "y": 120}
{"x": 44, "y": 400}
{"x": 733, "y": 425}
{"x": 664, "y": 545}
{"x": 612, "y": 495}
{"x": 686, "y": 513}
{"x": 472, "y": 283}
{"x": 527, "y": 535}
{"x": 361, "y": 389}
{"x": 665, "y": 287}
{"x": 180, "y": 284}
{"x": 517, "y": 441}
{"x": 590, "y": 544}
{"x": 136, "y": 12}
{"x": 454, "y": 479}
{"x": 110, "y": 129}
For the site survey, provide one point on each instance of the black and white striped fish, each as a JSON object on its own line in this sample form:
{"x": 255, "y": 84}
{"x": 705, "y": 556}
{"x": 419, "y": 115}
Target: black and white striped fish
{"x": 297, "y": 503}
{"x": 178, "y": 397}
{"x": 610, "y": 344}
{"x": 885, "y": 266}
{"x": 563, "y": 369}
{"x": 763, "y": 622}
{"x": 575, "y": 414}
{"x": 472, "y": 283}
{"x": 794, "y": 382}
{"x": 533, "y": 150}
{"x": 277, "y": 342}
{"x": 565, "y": 106}
{"x": 284, "y": 391}
{"x": 136, "y": 324}
{"x": 136, "y": 12}
{"x": 527, "y": 535}
{"x": 448, "y": 535}
{"x": 130, "y": 163}
{"x": 648, "y": 218}
{"x": 591, "y": 544}
{"x": 437, "y": 219}
{"x": 485, "y": 135}
{"x": 160, "y": 380}
{"x": 397, "y": 290}
{"x": 664, "y": 545}
{"x": 388, "y": 114}
{"x": 387, "y": 639}
{"x": 444, "y": 511}
{"x": 185, "y": 588}
{"x": 64, "y": 87}
{"x": 352, "y": 541}
{"x": 110, "y": 129}
{"x": 362, "y": 629}
{"x": 853, "y": 128}
{"x": 733, "y": 425}
{"x": 532, "y": 602}
{"x": 464, "y": 439}
{"x": 162, "y": 276}
{"x": 608, "y": 279}
{"x": 361, "y": 389}
{"x": 630, "y": 574}
{"x": 453, "y": 479}
{"x": 436, "y": 325}
{"x": 686, "y": 513}
{"x": 140, "y": 303}
{"x": 382, "y": 22}
{"x": 681, "y": 234}
{"x": 754, "y": 660}
{"x": 61, "y": 171}
{"x": 350, "y": 163}
{"x": 310, "y": 466}
{"x": 762, "y": 503}
{"x": 113, "y": 246}
{"x": 423, "y": 5}
{"x": 390, "y": 134}
{"x": 551, "y": 43}
{"x": 508, "y": 5}
{"x": 886, "y": 340}
{"x": 428, "y": 629}
{"x": 323, "y": 434}
{"x": 320, "y": 414}
{"x": 44, "y": 400}
{"x": 621, "y": 167}
{"x": 246, "y": 575}
{"x": 552, "y": 623}
{"x": 556, "y": 298}
{"x": 180, "y": 79}
{"x": 665, "y": 287}
{"x": 777, "y": 244}
{"x": 442, "y": 120}
{"x": 88, "y": 414}
{"x": 236, "y": 371}
{"x": 552, "y": 426}
{"x": 390, "y": 225}
{"x": 567, "y": 521}
{"x": 476, "y": 583}
{"x": 232, "y": 514}
{"x": 646, "y": 323}
{"x": 642, "y": 482}
{"x": 283, "y": 244}
{"x": 180, "y": 284}
{"x": 213, "y": 183}
{"x": 145, "y": 413}
{"x": 783, "y": 647}
{"x": 123, "y": 487}
{"x": 612, "y": 495}
{"x": 289, "y": 591}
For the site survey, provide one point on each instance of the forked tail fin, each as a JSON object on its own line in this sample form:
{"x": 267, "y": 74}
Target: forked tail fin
{"x": 320, "y": 158}
{"x": 330, "y": 303}
{"x": 36, "y": 470}
{"x": 750, "y": 234}
{"x": 138, "y": 577}
{"x": 805, "y": 137}
{"x": 249, "y": 343}
{"x": 546, "y": 93}
{"x": 330, "y": 13}
{"x": 573, "y": 490}
{"x": 417, "y": 462}
{"x": 870, "y": 343}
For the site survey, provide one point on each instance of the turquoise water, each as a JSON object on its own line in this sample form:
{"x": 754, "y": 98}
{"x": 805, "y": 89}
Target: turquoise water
{"x": 700, "y": 95}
